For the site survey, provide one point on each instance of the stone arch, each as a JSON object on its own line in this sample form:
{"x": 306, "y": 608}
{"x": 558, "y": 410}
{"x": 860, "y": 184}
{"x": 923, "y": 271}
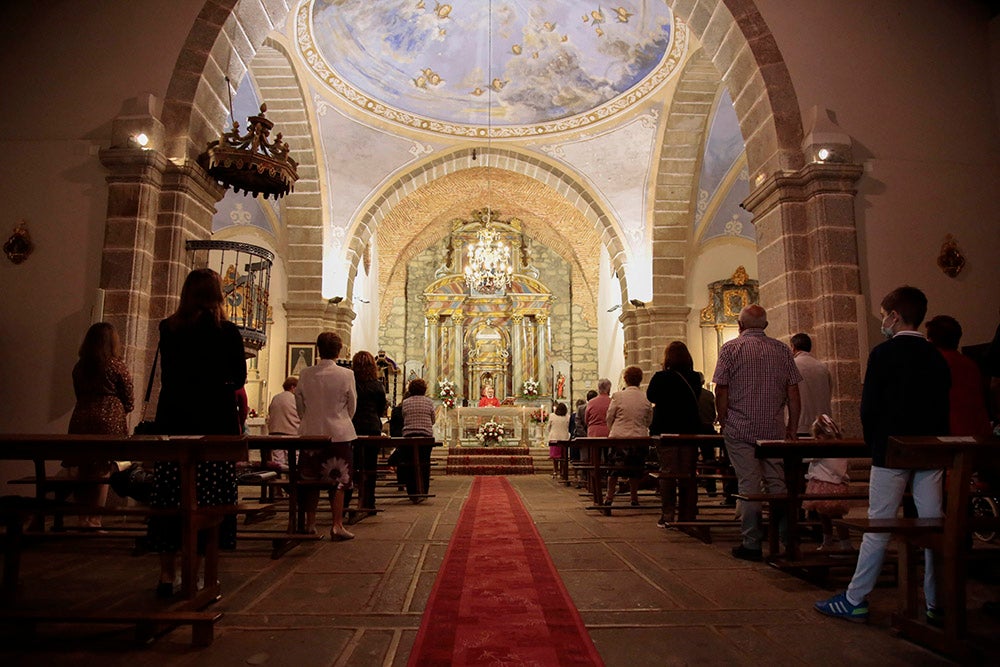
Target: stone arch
{"x": 675, "y": 197}
{"x": 736, "y": 40}
{"x": 509, "y": 168}
{"x": 302, "y": 210}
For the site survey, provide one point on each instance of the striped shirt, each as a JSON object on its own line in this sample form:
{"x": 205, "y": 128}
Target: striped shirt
{"x": 758, "y": 371}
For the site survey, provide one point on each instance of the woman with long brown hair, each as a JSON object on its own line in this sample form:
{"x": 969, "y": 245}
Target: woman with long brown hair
{"x": 202, "y": 364}
{"x": 673, "y": 391}
{"x": 104, "y": 396}
{"x": 367, "y": 418}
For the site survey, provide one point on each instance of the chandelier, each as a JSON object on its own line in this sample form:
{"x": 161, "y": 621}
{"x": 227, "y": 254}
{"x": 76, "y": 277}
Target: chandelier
{"x": 251, "y": 162}
{"x": 488, "y": 269}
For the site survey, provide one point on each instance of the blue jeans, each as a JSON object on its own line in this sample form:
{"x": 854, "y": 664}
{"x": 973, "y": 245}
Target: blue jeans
{"x": 885, "y": 494}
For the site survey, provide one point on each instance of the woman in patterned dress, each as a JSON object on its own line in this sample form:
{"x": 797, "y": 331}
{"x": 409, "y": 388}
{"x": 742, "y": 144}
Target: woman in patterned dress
{"x": 103, "y": 389}
{"x": 201, "y": 366}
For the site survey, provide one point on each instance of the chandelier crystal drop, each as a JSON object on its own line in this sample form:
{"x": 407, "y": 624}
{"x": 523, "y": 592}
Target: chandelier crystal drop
{"x": 488, "y": 270}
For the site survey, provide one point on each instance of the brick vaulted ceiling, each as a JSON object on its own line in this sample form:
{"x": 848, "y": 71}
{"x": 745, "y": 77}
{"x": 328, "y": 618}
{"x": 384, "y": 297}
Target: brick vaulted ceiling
{"x": 424, "y": 217}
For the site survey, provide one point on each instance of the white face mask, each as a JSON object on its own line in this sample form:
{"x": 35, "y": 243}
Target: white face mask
{"x": 886, "y": 331}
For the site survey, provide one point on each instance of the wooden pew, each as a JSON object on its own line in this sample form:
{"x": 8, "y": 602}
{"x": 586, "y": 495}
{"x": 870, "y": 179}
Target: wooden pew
{"x": 796, "y": 454}
{"x": 594, "y": 463}
{"x": 959, "y": 456}
{"x": 678, "y": 457}
{"x": 187, "y": 451}
{"x": 294, "y": 444}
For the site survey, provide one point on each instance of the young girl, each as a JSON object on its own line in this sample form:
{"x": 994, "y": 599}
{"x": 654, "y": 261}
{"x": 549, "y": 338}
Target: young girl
{"x": 828, "y": 477}
{"x": 558, "y": 430}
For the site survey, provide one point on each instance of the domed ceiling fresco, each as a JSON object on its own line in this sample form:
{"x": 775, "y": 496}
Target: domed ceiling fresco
{"x": 541, "y": 66}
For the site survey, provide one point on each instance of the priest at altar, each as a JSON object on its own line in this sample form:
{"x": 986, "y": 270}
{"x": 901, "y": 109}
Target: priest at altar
{"x": 488, "y": 398}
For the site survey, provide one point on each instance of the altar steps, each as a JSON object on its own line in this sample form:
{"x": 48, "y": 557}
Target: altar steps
{"x": 489, "y": 461}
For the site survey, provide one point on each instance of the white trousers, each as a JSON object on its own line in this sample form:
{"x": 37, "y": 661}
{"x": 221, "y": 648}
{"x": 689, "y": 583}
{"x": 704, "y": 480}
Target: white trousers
{"x": 885, "y": 494}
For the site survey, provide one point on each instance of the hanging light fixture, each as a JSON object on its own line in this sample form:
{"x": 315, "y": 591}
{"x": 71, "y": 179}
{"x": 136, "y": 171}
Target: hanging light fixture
{"x": 488, "y": 270}
{"x": 251, "y": 162}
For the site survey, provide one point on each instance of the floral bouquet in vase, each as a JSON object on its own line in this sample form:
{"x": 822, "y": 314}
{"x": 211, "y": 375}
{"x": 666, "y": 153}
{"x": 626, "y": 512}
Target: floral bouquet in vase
{"x": 530, "y": 388}
{"x": 539, "y": 416}
{"x": 490, "y": 433}
{"x": 446, "y": 392}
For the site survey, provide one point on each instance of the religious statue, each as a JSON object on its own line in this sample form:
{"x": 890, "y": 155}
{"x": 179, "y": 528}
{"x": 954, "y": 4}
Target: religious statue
{"x": 560, "y": 386}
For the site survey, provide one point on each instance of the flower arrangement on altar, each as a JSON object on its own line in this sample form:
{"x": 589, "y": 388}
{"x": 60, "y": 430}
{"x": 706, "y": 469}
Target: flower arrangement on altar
{"x": 490, "y": 433}
{"x": 539, "y": 416}
{"x": 446, "y": 392}
{"x": 530, "y": 388}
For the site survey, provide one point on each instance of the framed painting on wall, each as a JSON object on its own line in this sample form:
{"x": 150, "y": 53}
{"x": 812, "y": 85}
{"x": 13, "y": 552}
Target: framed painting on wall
{"x": 300, "y": 355}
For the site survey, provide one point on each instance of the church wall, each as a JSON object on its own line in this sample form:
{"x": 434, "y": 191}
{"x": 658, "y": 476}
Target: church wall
{"x": 392, "y": 335}
{"x": 910, "y": 82}
{"x": 65, "y": 70}
{"x": 419, "y": 274}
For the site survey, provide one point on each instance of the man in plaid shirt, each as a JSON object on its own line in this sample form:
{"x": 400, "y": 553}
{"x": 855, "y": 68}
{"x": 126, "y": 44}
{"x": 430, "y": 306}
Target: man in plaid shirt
{"x": 755, "y": 379}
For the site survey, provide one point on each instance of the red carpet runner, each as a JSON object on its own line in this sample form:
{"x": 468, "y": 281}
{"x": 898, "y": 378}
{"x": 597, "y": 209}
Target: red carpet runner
{"x": 498, "y": 599}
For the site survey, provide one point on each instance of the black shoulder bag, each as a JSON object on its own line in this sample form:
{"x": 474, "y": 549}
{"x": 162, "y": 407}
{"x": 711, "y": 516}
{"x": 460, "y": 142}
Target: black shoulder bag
{"x": 148, "y": 426}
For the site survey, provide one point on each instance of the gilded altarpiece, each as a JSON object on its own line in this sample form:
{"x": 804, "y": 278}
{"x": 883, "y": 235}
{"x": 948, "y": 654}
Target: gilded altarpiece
{"x": 475, "y": 339}
{"x": 719, "y": 319}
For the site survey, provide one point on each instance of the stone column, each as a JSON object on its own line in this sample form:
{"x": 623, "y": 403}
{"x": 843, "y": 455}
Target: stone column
{"x": 807, "y": 260}
{"x": 461, "y": 383}
{"x": 517, "y": 352}
{"x": 308, "y": 319}
{"x": 432, "y": 351}
{"x": 542, "y": 333}
{"x": 135, "y": 180}
{"x": 666, "y": 324}
{"x": 135, "y": 183}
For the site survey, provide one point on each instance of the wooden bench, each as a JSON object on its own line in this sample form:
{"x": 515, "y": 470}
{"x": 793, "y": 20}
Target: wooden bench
{"x": 594, "y": 464}
{"x": 186, "y": 451}
{"x": 147, "y": 626}
{"x": 959, "y": 456}
{"x": 294, "y": 483}
{"x": 795, "y": 455}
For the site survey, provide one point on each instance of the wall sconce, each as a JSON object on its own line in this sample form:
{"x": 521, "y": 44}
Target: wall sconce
{"x": 950, "y": 260}
{"x": 140, "y": 140}
{"x": 828, "y": 154}
{"x": 19, "y": 245}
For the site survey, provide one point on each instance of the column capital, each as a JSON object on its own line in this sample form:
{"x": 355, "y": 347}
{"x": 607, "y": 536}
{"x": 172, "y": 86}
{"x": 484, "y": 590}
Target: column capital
{"x": 541, "y": 318}
{"x": 458, "y": 317}
{"x": 813, "y": 179}
{"x": 134, "y": 164}
{"x": 517, "y": 318}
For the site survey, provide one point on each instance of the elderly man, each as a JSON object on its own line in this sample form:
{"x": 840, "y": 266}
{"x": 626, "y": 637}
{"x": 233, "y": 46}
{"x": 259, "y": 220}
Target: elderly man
{"x": 816, "y": 385}
{"x": 755, "y": 380}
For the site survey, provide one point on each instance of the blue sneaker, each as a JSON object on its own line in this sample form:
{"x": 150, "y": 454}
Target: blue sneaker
{"x": 839, "y": 607}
